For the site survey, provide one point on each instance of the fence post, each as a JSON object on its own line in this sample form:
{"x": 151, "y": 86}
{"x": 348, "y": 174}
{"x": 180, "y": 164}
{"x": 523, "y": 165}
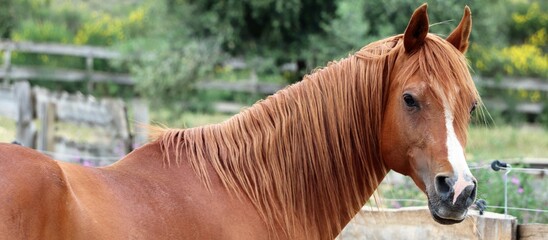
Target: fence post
{"x": 7, "y": 65}
{"x": 47, "y": 120}
{"x": 89, "y": 72}
{"x": 25, "y": 130}
{"x": 255, "y": 83}
{"x": 119, "y": 124}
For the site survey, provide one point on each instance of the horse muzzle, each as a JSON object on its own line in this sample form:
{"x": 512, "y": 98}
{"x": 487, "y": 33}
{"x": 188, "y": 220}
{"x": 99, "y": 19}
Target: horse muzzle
{"x": 451, "y": 197}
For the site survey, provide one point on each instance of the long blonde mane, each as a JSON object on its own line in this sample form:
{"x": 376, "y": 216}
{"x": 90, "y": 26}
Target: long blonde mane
{"x": 311, "y": 151}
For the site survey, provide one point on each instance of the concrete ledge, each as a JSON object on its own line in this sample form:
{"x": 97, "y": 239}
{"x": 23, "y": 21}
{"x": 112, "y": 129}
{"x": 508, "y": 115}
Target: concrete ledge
{"x": 417, "y": 223}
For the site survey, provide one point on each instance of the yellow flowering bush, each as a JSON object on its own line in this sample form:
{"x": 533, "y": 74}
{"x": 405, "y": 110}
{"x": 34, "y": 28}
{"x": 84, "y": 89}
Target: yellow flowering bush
{"x": 527, "y": 57}
{"x": 104, "y": 29}
{"x": 89, "y": 28}
{"x": 539, "y": 38}
{"x": 524, "y": 60}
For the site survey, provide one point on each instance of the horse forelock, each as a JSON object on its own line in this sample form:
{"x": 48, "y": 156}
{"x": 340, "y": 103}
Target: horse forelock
{"x": 312, "y": 149}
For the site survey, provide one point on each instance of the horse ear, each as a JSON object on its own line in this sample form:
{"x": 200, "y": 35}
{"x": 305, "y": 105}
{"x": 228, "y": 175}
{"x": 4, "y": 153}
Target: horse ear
{"x": 416, "y": 30}
{"x": 459, "y": 36}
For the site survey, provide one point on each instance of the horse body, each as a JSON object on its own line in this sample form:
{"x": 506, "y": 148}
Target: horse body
{"x": 66, "y": 201}
{"x": 298, "y": 165}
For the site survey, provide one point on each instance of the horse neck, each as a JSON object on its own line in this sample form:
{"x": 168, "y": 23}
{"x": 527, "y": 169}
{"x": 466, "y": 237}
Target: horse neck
{"x": 307, "y": 157}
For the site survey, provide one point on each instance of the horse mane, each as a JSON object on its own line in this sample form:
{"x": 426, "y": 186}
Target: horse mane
{"x": 311, "y": 151}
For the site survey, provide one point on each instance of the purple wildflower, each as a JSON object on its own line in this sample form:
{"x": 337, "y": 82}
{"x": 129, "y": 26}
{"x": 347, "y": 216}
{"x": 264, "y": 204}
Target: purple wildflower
{"x": 515, "y": 181}
{"x": 396, "y": 204}
{"x": 87, "y": 163}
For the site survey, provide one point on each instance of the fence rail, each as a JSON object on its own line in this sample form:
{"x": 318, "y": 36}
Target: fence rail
{"x": 64, "y": 75}
{"x": 250, "y": 85}
{"x": 59, "y": 49}
{"x": 8, "y": 71}
{"x": 531, "y": 84}
{"x": 528, "y": 84}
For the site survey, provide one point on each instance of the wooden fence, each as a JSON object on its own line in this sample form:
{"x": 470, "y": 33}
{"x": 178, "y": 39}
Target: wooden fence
{"x": 527, "y": 84}
{"x": 250, "y": 85}
{"x": 42, "y": 116}
{"x": 417, "y": 223}
{"x": 10, "y": 72}
{"x": 54, "y": 111}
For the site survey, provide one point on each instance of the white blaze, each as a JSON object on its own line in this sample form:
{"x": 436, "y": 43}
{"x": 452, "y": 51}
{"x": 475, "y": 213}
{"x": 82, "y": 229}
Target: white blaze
{"x": 455, "y": 154}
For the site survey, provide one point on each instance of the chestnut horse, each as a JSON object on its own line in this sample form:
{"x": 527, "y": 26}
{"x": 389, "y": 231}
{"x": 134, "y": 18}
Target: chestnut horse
{"x": 297, "y": 165}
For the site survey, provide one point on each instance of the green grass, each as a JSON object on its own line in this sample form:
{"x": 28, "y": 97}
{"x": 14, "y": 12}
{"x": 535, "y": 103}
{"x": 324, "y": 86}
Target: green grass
{"x": 186, "y": 120}
{"x": 7, "y": 129}
{"x": 505, "y": 141}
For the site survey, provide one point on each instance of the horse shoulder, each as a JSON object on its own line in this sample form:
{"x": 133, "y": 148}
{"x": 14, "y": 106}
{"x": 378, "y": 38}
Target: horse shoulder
{"x": 32, "y": 196}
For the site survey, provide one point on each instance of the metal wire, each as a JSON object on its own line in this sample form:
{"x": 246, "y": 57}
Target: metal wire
{"x": 505, "y": 207}
{"x": 497, "y": 207}
{"x": 513, "y": 168}
{"x": 527, "y": 169}
{"x": 520, "y": 209}
{"x": 480, "y": 167}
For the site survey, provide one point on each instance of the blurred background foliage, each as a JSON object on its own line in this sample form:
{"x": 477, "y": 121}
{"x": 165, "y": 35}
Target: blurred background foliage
{"x": 172, "y": 44}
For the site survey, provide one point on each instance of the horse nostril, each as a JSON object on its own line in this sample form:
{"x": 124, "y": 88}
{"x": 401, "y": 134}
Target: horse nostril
{"x": 474, "y": 190}
{"x": 443, "y": 185}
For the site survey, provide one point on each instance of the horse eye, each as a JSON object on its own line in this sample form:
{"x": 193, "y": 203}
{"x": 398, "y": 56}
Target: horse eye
{"x": 473, "y": 107}
{"x": 409, "y": 100}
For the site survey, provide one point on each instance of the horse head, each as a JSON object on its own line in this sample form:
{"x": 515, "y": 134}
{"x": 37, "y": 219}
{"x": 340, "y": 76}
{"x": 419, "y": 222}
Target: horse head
{"x": 427, "y": 113}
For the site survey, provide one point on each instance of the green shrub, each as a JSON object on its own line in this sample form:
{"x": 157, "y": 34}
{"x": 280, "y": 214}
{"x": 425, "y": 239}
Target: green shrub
{"x": 168, "y": 75}
{"x": 42, "y": 31}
